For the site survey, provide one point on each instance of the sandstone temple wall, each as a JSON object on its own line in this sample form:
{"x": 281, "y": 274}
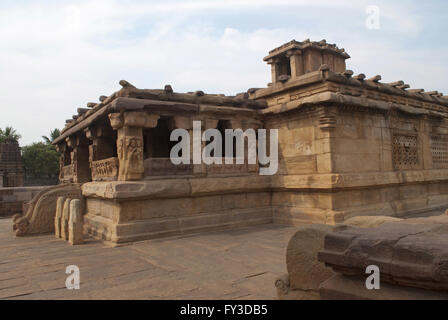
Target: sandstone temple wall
{"x": 368, "y": 163}
{"x": 399, "y": 152}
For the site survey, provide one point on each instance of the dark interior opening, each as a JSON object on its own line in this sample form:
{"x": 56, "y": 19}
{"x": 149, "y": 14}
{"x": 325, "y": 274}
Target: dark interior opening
{"x": 284, "y": 67}
{"x": 156, "y": 141}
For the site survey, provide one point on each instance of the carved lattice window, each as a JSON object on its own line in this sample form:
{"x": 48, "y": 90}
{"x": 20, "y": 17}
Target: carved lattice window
{"x": 405, "y": 151}
{"x": 439, "y": 151}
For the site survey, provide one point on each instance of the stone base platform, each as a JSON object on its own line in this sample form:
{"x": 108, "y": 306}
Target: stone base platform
{"x": 103, "y": 228}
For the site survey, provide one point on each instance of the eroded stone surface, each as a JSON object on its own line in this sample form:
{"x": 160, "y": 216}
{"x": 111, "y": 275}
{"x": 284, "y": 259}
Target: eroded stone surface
{"x": 414, "y": 255}
{"x": 305, "y": 272}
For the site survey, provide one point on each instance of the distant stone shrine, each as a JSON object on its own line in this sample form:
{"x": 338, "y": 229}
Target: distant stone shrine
{"x": 348, "y": 145}
{"x": 11, "y": 166}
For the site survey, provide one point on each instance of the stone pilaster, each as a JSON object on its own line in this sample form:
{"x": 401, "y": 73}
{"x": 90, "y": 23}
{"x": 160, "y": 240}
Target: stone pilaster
{"x": 129, "y": 126}
{"x": 102, "y": 145}
{"x": 296, "y": 63}
{"x": 274, "y": 69}
{"x": 79, "y": 158}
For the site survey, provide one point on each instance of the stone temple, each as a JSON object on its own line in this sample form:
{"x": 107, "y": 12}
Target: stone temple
{"x": 11, "y": 176}
{"x": 11, "y": 166}
{"x": 349, "y": 145}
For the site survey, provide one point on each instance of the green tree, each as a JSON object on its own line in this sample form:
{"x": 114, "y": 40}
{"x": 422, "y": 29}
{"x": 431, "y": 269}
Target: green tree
{"x": 9, "y": 132}
{"x": 41, "y": 160}
{"x": 53, "y": 135}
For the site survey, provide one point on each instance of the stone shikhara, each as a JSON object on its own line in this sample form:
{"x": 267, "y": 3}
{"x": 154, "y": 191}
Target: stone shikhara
{"x": 347, "y": 145}
{"x": 11, "y": 166}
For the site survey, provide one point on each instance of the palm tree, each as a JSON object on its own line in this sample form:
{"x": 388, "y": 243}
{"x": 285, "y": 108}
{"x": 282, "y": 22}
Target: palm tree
{"x": 53, "y": 135}
{"x": 9, "y": 132}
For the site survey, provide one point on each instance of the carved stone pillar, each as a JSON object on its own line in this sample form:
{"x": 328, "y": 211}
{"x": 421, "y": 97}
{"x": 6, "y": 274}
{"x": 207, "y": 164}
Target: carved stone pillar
{"x": 187, "y": 124}
{"x": 326, "y": 137}
{"x": 274, "y": 69}
{"x": 102, "y": 155}
{"x": 296, "y": 63}
{"x": 255, "y": 125}
{"x": 61, "y": 148}
{"x": 101, "y": 147}
{"x": 79, "y": 158}
{"x": 129, "y": 126}
{"x": 184, "y": 123}
{"x": 206, "y": 124}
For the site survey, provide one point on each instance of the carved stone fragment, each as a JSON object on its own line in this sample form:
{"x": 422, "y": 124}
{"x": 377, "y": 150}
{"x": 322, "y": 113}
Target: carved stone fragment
{"x": 75, "y": 223}
{"x": 58, "y": 216}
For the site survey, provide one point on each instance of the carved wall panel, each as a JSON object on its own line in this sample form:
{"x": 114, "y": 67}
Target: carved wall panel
{"x": 130, "y": 155}
{"x": 439, "y": 151}
{"x": 405, "y": 151}
{"x": 105, "y": 170}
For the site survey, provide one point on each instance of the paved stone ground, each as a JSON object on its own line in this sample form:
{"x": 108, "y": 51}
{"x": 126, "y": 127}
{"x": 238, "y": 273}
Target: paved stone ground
{"x": 238, "y": 264}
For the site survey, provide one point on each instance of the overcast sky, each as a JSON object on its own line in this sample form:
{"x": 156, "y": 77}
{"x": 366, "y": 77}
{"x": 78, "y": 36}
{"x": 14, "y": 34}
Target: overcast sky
{"x": 56, "y": 56}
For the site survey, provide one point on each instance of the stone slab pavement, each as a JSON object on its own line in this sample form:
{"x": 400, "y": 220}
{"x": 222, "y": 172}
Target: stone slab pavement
{"x": 234, "y": 264}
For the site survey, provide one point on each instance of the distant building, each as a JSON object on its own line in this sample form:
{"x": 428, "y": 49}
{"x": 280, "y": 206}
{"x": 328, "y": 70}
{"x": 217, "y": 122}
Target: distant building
{"x": 11, "y": 166}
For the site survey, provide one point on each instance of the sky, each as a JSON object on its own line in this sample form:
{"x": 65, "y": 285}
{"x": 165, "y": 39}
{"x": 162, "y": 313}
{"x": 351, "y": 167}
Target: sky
{"x": 56, "y": 56}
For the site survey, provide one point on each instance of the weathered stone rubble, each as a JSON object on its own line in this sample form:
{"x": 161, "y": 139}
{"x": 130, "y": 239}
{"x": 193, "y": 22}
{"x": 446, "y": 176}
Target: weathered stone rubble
{"x": 411, "y": 255}
{"x": 305, "y": 272}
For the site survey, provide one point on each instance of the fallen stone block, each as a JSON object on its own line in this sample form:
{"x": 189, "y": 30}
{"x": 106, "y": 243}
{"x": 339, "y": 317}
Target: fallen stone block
{"x": 407, "y": 254}
{"x": 305, "y": 272}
